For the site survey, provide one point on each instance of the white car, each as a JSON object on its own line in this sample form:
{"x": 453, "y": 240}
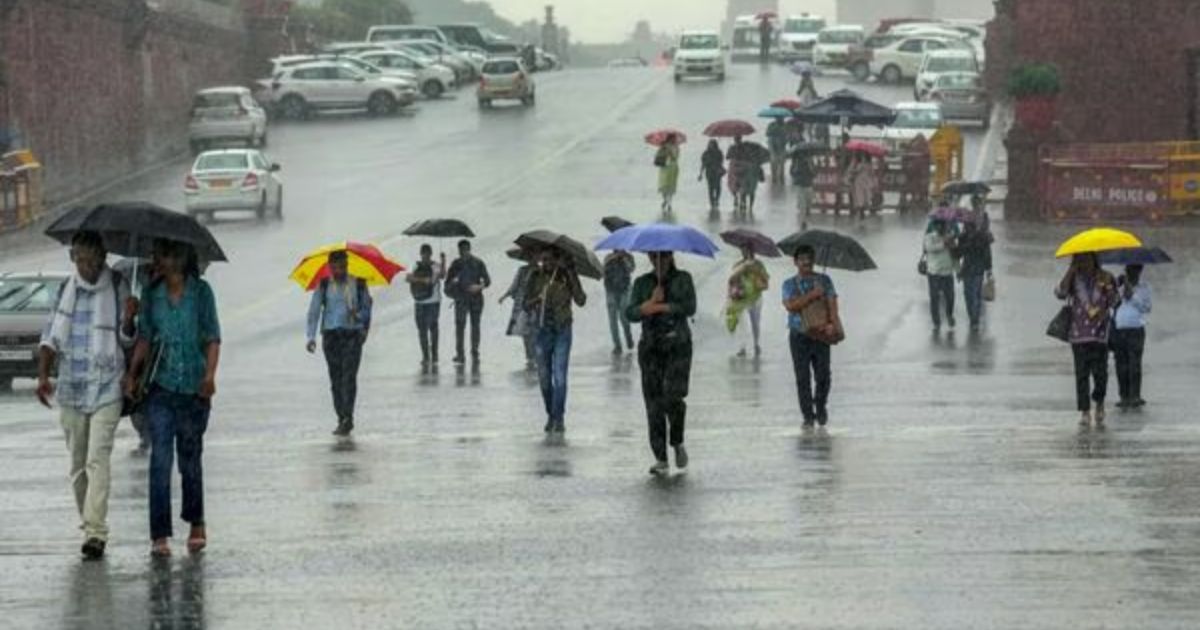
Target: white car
{"x": 465, "y": 68}
{"x": 226, "y": 113}
{"x": 363, "y": 67}
{"x": 912, "y": 119}
{"x": 939, "y": 62}
{"x": 699, "y": 54}
{"x": 434, "y": 80}
{"x": 233, "y": 179}
{"x": 798, "y": 37}
{"x": 299, "y": 90}
{"x": 902, "y": 59}
{"x": 834, "y": 44}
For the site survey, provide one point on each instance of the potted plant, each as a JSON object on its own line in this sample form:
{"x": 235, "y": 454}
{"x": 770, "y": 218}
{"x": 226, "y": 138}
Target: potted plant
{"x": 1035, "y": 88}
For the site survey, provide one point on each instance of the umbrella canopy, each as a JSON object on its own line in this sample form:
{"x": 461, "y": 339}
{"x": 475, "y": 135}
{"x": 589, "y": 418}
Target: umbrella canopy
{"x": 729, "y": 129}
{"x": 750, "y": 152}
{"x": 1135, "y": 256}
{"x": 440, "y": 228}
{"x": 960, "y": 187}
{"x": 130, "y": 229}
{"x": 789, "y": 104}
{"x": 659, "y": 137}
{"x": 1097, "y": 240}
{"x": 847, "y": 108}
{"x": 517, "y": 253}
{"x": 586, "y": 263}
{"x": 952, "y": 214}
{"x": 775, "y": 112}
{"x": 365, "y": 262}
{"x": 660, "y": 237}
{"x": 614, "y": 223}
{"x": 760, "y": 243}
{"x": 802, "y": 68}
{"x": 833, "y": 250}
{"x": 866, "y": 147}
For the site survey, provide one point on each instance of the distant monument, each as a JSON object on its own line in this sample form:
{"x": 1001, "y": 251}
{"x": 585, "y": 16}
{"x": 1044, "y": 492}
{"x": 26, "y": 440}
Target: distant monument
{"x": 550, "y": 37}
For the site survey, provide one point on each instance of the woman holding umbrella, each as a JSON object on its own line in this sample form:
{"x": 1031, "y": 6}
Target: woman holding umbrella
{"x": 667, "y": 161}
{"x": 747, "y": 282}
{"x": 712, "y": 170}
{"x": 553, "y": 287}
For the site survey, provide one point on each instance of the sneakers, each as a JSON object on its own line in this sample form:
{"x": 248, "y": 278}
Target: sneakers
{"x": 660, "y": 469}
{"x": 549, "y": 426}
{"x": 459, "y": 359}
{"x": 681, "y": 457}
{"x": 93, "y": 549}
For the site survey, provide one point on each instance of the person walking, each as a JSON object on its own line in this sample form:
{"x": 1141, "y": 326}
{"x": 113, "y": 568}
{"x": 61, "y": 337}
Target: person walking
{"x": 712, "y": 170}
{"x": 466, "y": 280}
{"x": 803, "y": 177}
{"x": 811, "y": 296}
{"x": 939, "y": 271}
{"x": 425, "y": 284}
{"x": 341, "y": 310}
{"x": 667, "y": 161}
{"x": 1091, "y": 294}
{"x": 178, "y": 319}
{"x": 807, "y": 92}
{"x": 88, "y": 332}
{"x": 553, "y": 287}
{"x": 766, "y": 33}
{"x": 662, "y": 302}
{"x": 777, "y": 143}
{"x": 974, "y": 250}
{"x": 618, "y": 277}
{"x": 518, "y": 322}
{"x": 746, "y": 285}
{"x": 861, "y": 176}
{"x": 1128, "y": 338}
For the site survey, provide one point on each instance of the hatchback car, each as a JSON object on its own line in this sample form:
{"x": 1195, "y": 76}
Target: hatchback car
{"x": 233, "y": 179}
{"x": 222, "y": 114}
{"x": 26, "y": 301}
{"x": 505, "y": 79}
{"x": 434, "y": 79}
{"x": 962, "y": 97}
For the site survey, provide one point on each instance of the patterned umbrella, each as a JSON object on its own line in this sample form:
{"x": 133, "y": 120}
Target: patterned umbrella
{"x": 365, "y": 262}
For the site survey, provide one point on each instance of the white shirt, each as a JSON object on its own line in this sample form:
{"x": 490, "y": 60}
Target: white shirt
{"x": 438, "y": 274}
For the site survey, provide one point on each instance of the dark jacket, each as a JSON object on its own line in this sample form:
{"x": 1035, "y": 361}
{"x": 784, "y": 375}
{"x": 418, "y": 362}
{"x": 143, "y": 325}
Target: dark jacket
{"x": 549, "y": 295}
{"x": 712, "y": 162}
{"x": 463, "y": 273}
{"x": 975, "y": 250}
{"x": 680, "y": 296}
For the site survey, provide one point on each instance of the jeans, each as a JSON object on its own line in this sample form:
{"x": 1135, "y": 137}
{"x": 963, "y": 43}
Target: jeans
{"x": 617, "y": 322}
{"x": 343, "y": 354}
{"x": 90, "y": 443}
{"x": 427, "y": 329}
{"x": 714, "y": 189}
{"x": 552, "y": 351}
{"x": 177, "y": 425}
{"x": 1091, "y": 364}
{"x": 1127, "y": 346}
{"x": 811, "y": 361}
{"x": 973, "y": 296}
{"x": 666, "y": 365}
{"x": 473, "y": 308}
{"x": 941, "y": 291}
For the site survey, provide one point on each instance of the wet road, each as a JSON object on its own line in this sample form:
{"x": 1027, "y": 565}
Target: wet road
{"x": 952, "y": 490}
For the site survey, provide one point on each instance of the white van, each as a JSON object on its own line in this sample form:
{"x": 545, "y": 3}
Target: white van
{"x": 699, "y": 54}
{"x": 746, "y": 39}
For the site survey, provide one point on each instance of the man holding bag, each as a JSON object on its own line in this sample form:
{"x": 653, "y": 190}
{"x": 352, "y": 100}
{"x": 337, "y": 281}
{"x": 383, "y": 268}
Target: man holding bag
{"x": 814, "y": 325}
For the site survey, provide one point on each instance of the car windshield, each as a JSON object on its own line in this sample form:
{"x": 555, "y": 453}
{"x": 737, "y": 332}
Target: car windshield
{"x": 918, "y": 119}
{"x": 803, "y": 25}
{"x": 958, "y": 82}
{"x": 699, "y": 42}
{"x": 221, "y": 162}
{"x": 28, "y": 294}
{"x": 215, "y": 100}
{"x": 501, "y": 67}
{"x": 840, "y": 37}
{"x": 951, "y": 64}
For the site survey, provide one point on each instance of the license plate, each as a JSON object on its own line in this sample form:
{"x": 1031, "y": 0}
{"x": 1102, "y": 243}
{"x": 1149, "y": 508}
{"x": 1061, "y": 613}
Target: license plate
{"x": 220, "y": 183}
{"x": 16, "y": 355}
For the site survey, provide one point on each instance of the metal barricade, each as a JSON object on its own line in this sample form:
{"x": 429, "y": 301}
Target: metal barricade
{"x": 21, "y": 201}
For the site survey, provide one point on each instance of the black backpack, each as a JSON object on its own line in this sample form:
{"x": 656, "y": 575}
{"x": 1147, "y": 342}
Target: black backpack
{"x": 422, "y": 291}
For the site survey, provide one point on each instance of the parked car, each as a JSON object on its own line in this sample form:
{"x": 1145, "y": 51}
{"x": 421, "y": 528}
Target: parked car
{"x": 505, "y": 79}
{"x": 939, "y": 62}
{"x": 699, "y": 54}
{"x": 464, "y": 67}
{"x": 858, "y": 57}
{"x": 798, "y": 37}
{"x": 349, "y": 48}
{"x": 433, "y": 80}
{"x": 222, "y": 114}
{"x": 473, "y": 35}
{"x": 402, "y": 32}
{"x": 834, "y": 42}
{"x": 902, "y": 59}
{"x": 746, "y": 37}
{"x": 233, "y": 179}
{"x": 300, "y": 90}
{"x": 912, "y": 119}
{"x": 26, "y": 301}
{"x": 363, "y": 67}
{"x": 962, "y": 97}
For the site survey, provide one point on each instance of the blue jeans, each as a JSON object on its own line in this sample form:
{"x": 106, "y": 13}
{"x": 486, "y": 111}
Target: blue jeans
{"x": 617, "y": 322}
{"x": 552, "y": 352}
{"x": 973, "y": 296}
{"x": 177, "y": 423}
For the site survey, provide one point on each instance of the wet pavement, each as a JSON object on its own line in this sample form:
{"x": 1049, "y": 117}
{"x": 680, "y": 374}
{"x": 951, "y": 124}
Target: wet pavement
{"x": 953, "y": 488}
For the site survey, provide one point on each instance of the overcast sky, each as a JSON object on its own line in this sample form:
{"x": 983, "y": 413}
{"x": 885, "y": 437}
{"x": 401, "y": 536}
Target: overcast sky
{"x": 595, "y": 21}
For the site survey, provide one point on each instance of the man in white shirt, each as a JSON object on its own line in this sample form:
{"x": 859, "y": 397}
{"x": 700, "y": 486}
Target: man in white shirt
{"x": 425, "y": 282}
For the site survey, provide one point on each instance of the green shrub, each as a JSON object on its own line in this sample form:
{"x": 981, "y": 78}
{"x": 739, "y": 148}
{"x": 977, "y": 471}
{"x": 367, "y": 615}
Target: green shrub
{"x": 1035, "y": 79}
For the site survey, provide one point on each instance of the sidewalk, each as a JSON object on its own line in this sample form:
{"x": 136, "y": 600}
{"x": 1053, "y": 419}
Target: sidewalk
{"x": 992, "y": 166}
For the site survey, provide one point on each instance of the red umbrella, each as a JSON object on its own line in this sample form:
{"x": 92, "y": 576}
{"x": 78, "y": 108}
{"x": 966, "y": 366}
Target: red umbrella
{"x": 788, "y": 103}
{"x": 729, "y": 129}
{"x": 659, "y": 137}
{"x": 866, "y": 147}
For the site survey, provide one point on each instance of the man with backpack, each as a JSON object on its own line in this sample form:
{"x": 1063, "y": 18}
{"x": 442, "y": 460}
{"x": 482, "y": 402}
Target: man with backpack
{"x": 341, "y": 310}
{"x": 425, "y": 282}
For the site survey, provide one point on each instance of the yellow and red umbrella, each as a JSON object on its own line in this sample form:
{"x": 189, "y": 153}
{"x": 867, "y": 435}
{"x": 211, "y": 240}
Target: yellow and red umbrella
{"x": 365, "y": 262}
{"x": 1097, "y": 240}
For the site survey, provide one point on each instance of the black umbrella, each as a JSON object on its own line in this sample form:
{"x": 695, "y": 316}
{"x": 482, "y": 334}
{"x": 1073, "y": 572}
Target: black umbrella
{"x": 833, "y": 250}
{"x": 440, "y": 228}
{"x": 760, "y": 243}
{"x": 131, "y": 228}
{"x": 750, "y": 152}
{"x": 586, "y": 263}
{"x": 614, "y": 223}
{"x": 961, "y": 188}
{"x": 1135, "y": 256}
{"x": 847, "y": 109}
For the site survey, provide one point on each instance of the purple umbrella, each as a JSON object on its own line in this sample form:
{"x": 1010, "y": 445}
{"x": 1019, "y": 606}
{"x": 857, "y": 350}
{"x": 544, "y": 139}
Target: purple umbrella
{"x": 660, "y": 237}
{"x": 758, "y": 242}
{"x": 951, "y": 214}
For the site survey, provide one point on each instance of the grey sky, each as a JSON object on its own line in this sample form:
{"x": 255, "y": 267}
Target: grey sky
{"x": 612, "y": 20}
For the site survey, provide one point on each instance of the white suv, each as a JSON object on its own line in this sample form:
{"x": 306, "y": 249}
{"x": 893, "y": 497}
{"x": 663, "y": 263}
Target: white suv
{"x": 299, "y": 90}
{"x": 798, "y": 37}
{"x": 699, "y": 54}
{"x": 834, "y": 43}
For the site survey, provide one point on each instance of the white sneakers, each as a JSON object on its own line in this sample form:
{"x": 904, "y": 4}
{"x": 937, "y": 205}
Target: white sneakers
{"x": 660, "y": 469}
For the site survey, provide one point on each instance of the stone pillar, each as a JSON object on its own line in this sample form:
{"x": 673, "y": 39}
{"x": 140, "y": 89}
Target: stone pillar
{"x": 1024, "y": 199}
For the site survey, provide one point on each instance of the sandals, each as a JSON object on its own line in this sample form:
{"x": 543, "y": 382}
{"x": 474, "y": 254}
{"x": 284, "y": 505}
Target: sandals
{"x": 160, "y": 548}
{"x": 197, "y": 540}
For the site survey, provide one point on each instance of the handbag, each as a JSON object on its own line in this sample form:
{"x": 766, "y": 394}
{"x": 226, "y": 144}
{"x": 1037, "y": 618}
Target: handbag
{"x": 923, "y": 264}
{"x": 1060, "y": 326}
{"x": 989, "y": 289}
{"x": 816, "y": 316}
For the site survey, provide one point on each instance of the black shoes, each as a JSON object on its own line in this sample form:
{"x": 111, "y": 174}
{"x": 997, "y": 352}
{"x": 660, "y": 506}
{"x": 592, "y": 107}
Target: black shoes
{"x": 459, "y": 359}
{"x": 344, "y": 428}
{"x": 93, "y": 549}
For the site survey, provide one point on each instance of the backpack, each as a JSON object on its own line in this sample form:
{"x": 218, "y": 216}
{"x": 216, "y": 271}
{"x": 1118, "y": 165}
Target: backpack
{"x": 617, "y": 277}
{"x": 424, "y": 290}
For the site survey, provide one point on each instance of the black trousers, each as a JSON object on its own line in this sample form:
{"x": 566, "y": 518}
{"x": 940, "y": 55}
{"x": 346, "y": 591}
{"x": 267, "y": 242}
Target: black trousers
{"x": 1091, "y": 367}
{"x": 666, "y": 366}
{"x": 811, "y": 362}
{"x": 471, "y": 308}
{"x": 714, "y": 189}
{"x": 427, "y": 316}
{"x": 343, "y": 355}
{"x": 941, "y": 295}
{"x": 1127, "y": 347}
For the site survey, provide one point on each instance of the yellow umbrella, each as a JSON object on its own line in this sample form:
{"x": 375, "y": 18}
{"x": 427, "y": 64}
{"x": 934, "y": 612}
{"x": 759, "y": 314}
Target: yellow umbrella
{"x": 364, "y": 261}
{"x": 1097, "y": 240}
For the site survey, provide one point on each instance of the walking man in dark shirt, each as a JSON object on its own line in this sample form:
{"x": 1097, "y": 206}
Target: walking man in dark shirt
{"x": 465, "y": 282}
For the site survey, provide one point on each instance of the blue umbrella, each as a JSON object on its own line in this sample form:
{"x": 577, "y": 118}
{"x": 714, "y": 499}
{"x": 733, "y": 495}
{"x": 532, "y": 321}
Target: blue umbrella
{"x": 775, "y": 112}
{"x": 660, "y": 237}
{"x": 803, "y": 67}
{"x": 1135, "y": 256}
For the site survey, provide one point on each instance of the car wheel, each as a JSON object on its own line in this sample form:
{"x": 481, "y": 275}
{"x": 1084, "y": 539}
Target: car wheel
{"x": 261, "y": 210}
{"x": 432, "y": 89}
{"x": 890, "y": 74}
{"x": 294, "y": 107}
{"x": 860, "y": 71}
{"x": 381, "y": 103}
{"x": 279, "y": 204}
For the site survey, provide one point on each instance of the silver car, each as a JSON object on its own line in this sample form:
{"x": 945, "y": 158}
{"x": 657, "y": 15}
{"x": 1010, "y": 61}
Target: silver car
{"x": 962, "y": 97}
{"x": 223, "y": 114}
{"x": 233, "y": 179}
{"x": 26, "y": 301}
